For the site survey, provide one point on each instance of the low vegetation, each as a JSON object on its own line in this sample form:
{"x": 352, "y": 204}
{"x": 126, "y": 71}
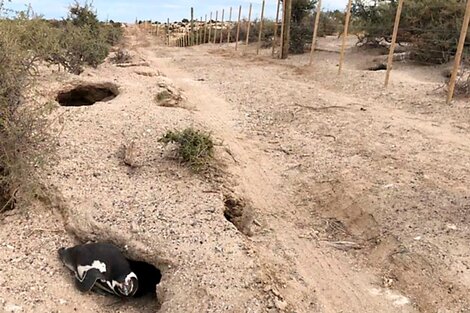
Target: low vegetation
{"x": 26, "y": 134}
{"x": 194, "y": 147}
{"x": 462, "y": 85}
{"x": 430, "y": 27}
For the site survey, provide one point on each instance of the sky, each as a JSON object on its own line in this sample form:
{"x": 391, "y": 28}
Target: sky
{"x": 158, "y": 10}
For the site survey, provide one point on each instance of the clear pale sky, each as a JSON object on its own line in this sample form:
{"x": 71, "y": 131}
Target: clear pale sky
{"x": 160, "y": 10}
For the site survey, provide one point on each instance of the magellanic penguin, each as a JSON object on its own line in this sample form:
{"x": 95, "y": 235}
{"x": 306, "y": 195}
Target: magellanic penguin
{"x": 100, "y": 265}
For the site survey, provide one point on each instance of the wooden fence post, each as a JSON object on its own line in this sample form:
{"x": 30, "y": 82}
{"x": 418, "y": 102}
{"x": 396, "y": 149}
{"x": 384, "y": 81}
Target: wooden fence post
{"x": 276, "y": 25}
{"x": 200, "y": 30}
{"x": 222, "y": 27}
{"x": 345, "y": 36}
{"x": 285, "y": 30}
{"x": 249, "y": 25}
{"x": 238, "y": 28}
{"x": 215, "y": 28}
{"x": 205, "y": 30}
{"x": 191, "y": 28}
{"x": 230, "y": 26}
{"x": 260, "y": 27}
{"x": 167, "y": 41}
{"x": 315, "y": 31}
{"x": 394, "y": 42}
{"x": 210, "y": 29}
{"x": 458, "y": 55}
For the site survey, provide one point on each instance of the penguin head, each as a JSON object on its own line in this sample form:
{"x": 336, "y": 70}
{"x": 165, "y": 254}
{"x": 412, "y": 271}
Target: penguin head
{"x": 128, "y": 285}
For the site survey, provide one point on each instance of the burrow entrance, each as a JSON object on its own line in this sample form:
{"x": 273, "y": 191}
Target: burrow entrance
{"x": 148, "y": 276}
{"x": 87, "y": 94}
{"x": 239, "y": 214}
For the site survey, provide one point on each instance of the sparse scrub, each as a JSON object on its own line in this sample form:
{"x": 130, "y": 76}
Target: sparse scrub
{"x": 25, "y": 143}
{"x": 195, "y": 148}
{"x": 431, "y": 26}
{"x": 462, "y": 86}
{"x": 73, "y": 43}
{"x": 122, "y": 56}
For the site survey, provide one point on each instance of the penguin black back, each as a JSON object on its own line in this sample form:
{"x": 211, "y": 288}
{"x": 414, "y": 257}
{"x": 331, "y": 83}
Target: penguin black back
{"x": 103, "y": 264}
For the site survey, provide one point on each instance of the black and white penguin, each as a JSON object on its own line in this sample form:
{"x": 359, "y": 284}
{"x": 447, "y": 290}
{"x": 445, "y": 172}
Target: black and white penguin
{"x": 100, "y": 265}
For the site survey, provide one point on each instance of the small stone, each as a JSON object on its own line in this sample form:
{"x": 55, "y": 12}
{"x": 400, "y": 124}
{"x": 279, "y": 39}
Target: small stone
{"x": 62, "y": 301}
{"x": 451, "y": 226}
{"x": 13, "y": 308}
{"x": 280, "y": 304}
{"x": 276, "y": 293}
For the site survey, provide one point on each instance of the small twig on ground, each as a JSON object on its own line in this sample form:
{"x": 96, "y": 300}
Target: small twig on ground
{"x": 345, "y": 245}
{"x": 320, "y": 108}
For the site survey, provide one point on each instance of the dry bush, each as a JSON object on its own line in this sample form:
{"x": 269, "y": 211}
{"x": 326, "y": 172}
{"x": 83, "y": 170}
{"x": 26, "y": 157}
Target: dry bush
{"x": 462, "y": 85}
{"x": 122, "y": 56}
{"x": 25, "y": 142}
{"x": 267, "y": 37}
{"x": 72, "y": 43}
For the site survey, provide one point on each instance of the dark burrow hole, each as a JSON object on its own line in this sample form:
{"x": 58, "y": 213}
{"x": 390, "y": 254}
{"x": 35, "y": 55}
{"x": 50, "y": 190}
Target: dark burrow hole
{"x": 378, "y": 67}
{"x": 87, "y": 94}
{"x": 149, "y": 277}
{"x": 237, "y": 213}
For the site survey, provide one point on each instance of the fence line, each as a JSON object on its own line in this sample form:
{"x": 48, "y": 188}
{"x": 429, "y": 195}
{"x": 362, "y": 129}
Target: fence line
{"x": 202, "y": 33}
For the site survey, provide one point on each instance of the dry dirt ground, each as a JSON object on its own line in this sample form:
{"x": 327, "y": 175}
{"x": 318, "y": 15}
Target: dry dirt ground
{"x": 354, "y": 198}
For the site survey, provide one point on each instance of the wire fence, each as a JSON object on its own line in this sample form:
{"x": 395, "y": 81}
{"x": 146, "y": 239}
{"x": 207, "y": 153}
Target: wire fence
{"x": 241, "y": 26}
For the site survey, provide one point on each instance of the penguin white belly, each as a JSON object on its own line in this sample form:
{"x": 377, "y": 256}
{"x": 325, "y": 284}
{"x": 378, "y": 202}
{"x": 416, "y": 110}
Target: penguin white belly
{"x": 81, "y": 269}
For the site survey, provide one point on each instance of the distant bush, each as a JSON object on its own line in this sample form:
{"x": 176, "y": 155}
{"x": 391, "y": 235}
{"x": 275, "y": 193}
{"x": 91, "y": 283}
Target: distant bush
{"x": 73, "y": 43}
{"x": 431, "y": 26}
{"x": 331, "y": 23}
{"x": 267, "y": 36}
{"x": 301, "y": 28}
{"x": 195, "y": 147}
{"x": 83, "y": 40}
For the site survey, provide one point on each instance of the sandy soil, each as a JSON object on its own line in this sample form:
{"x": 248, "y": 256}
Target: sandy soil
{"x": 355, "y": 197}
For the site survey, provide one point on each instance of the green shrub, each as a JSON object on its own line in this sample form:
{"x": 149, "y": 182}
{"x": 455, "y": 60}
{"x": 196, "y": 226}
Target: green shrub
{"x": 73, "y": 43}
{"x": 431, "y": 26}
{"x": 195, "y": 147}
{"x": 301, "y": 28}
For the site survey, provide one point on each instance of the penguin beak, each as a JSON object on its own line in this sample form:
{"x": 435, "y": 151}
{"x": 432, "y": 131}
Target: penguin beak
{"x": 126, "y": 288}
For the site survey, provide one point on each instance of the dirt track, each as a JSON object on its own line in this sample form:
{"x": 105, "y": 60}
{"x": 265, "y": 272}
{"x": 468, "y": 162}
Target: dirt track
{"x": 359, "y": 195}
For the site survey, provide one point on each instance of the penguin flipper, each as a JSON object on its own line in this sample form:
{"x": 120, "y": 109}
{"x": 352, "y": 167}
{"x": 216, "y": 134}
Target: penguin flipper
{"x": 88, "y": 280}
